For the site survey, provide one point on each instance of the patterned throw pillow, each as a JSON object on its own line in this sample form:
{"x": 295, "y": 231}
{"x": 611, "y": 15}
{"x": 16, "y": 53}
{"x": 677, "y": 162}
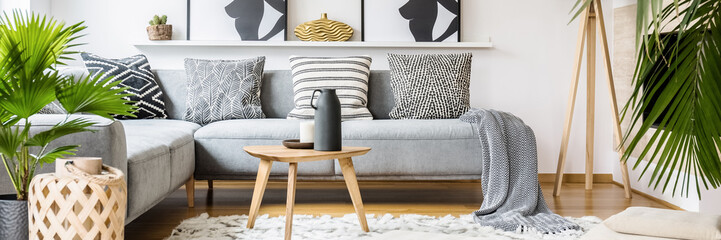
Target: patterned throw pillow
{"x": 348, "y": 75}
{"x": 53, "y": 108}
{"x": 134, "y": 73}
{"x": 430, "y": 86}
{"x": 223, "y": 89}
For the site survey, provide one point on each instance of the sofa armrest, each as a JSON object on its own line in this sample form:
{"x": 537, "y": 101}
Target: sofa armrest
{"x": 107, "y": 142}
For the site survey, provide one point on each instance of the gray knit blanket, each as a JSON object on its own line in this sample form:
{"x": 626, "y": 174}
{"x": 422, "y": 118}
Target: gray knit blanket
{"x": 512, "y": 198}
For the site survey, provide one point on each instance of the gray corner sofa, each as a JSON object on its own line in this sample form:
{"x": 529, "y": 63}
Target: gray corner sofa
{"x": 160, "y": 155}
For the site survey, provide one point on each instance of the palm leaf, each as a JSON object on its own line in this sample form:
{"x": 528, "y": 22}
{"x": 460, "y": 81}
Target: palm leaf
{"x": 10, "y": 64}
{"x": 24, "y": 97}
{"x": 44, "y": 138}
{"x": 56, "y": 153}
{"x": 43, "y": 41}
{"x": 688, "y": 107}
{"x": 10, "y": 140}
{"x": 96, "y": 95}
{"x": 579, "y": 7}
{"x": 30, "y": 45}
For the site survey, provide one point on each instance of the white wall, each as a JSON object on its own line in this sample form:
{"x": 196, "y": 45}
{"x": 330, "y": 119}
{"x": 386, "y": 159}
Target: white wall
{"x": 708, "y": 204}
{"x": 527, "y": 72}
{"x": 8, "y": 5}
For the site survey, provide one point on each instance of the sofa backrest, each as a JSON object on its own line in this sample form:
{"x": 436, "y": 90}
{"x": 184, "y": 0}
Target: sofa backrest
{"x": 276, "y": 93}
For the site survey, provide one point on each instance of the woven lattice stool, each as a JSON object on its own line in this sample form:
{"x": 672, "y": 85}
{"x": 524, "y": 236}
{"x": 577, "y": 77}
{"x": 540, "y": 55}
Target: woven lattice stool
{"x": 83, "y": 206}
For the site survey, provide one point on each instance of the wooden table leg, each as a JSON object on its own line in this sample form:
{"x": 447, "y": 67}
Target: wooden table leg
{"x": 190, "y": 191}
{"x": 290, "y": 200}
{"x": 346, "y": 165}
{"x": 260, "y": 182}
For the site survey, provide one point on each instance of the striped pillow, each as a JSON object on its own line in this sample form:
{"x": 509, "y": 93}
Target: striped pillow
{"x": 348, "y": 75}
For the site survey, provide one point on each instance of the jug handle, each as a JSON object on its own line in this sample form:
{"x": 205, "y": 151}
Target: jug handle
{"x": 312, "y": 96}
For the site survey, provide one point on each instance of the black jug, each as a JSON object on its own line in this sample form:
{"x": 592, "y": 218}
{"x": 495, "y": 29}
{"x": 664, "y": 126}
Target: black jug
{"x": 328, "y": 135}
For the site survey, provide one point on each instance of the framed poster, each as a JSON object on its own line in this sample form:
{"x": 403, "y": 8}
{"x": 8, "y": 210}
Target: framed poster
{"x": 246, "y": 20}
{"x": 411, "y": 20}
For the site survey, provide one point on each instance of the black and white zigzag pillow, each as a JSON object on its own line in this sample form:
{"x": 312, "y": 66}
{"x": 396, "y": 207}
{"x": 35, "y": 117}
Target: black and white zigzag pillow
{"x": 133, "y": 72}
{"x": 430, "y": 86}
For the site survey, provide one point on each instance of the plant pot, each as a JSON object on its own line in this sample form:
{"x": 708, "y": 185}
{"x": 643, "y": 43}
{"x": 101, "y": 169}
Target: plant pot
{"x": 160, "y": 32}
{"x": 13, "y": 218}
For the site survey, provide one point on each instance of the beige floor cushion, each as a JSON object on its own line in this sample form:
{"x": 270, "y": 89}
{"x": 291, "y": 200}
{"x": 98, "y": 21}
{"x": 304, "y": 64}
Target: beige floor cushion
{"x": 601, "y": 232}
{"x": 666, "y": 223}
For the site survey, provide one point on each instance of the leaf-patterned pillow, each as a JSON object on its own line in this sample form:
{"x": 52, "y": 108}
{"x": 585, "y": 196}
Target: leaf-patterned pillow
{"x": 223, "y": 89}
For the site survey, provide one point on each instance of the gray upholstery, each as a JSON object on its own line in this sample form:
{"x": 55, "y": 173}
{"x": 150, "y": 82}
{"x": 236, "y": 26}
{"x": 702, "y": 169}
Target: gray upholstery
{"x": 108, "y": 132}
{"x": 172, "y": 83}
{"x": 276, "y": 94}
{"x": 220, "y": 155}
{"x": 148, "y": 174}
{"x": 177, "y": 136}
{"x": 414, "y": 149}
{"x": 410, "y": 149}
{"x": 160, "y": 159}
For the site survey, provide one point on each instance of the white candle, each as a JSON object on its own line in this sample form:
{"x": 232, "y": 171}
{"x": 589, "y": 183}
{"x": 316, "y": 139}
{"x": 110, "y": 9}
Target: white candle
{"x": 306, "y": 131}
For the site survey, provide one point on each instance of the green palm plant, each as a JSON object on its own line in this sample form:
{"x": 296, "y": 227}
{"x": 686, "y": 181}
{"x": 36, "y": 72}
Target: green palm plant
{"x": 681, "y": 72}
{"x": 31, "y": 46}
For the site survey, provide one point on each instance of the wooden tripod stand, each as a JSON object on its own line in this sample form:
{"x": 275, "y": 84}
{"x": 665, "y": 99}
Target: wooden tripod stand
{"x": 587, "y": 32}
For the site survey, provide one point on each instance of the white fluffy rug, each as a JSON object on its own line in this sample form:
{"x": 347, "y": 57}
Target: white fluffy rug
{"x": 347, "y": 227}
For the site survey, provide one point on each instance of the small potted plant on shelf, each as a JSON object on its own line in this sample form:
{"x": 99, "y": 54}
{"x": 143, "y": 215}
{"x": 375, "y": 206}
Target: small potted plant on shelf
{"x": 30, "y": 49}
{"x": 158, "y": 29}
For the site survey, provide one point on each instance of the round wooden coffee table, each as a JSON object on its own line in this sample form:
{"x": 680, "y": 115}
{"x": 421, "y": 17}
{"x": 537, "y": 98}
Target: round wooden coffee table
{"x": 270, "y": 154}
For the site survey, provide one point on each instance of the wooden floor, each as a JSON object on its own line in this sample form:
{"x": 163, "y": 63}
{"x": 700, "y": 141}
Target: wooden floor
{"x": 318, "y": 198}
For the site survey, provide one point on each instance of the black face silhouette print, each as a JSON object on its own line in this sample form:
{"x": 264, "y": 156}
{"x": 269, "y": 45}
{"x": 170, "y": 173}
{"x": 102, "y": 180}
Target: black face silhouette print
{"x": 248, "y": 15}
{"x": 422, "y": 15}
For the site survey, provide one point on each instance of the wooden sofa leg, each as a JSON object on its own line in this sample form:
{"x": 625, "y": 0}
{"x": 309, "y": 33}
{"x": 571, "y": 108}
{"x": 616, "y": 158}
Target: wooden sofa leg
{"x": 210, "y": 184}
{"x": 190, "y": 191}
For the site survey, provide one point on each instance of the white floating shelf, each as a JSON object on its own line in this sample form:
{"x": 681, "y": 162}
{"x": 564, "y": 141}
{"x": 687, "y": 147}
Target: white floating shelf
{"x": 355, "y": 44}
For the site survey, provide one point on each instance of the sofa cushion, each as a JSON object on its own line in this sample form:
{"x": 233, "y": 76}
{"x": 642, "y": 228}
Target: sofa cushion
{"x": 135, "y": 74}
{"x": 220, "y": 155}
{"x": 176, "y": 136}
{"x": 148, "y": 173}
{"x": 251, "y": 129}
{"x": 223, "y": 89}
{"x": 172, "y": 133}
{"x": 53, "y": 108}
{"x": 444, "y": 149}
{"x": 347, "y": 75}
{"x": 173, "y": 84}
{"x": 402, "y": 149}
{"x": 440, "y": 129}
{"x": 430, "y": 86}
